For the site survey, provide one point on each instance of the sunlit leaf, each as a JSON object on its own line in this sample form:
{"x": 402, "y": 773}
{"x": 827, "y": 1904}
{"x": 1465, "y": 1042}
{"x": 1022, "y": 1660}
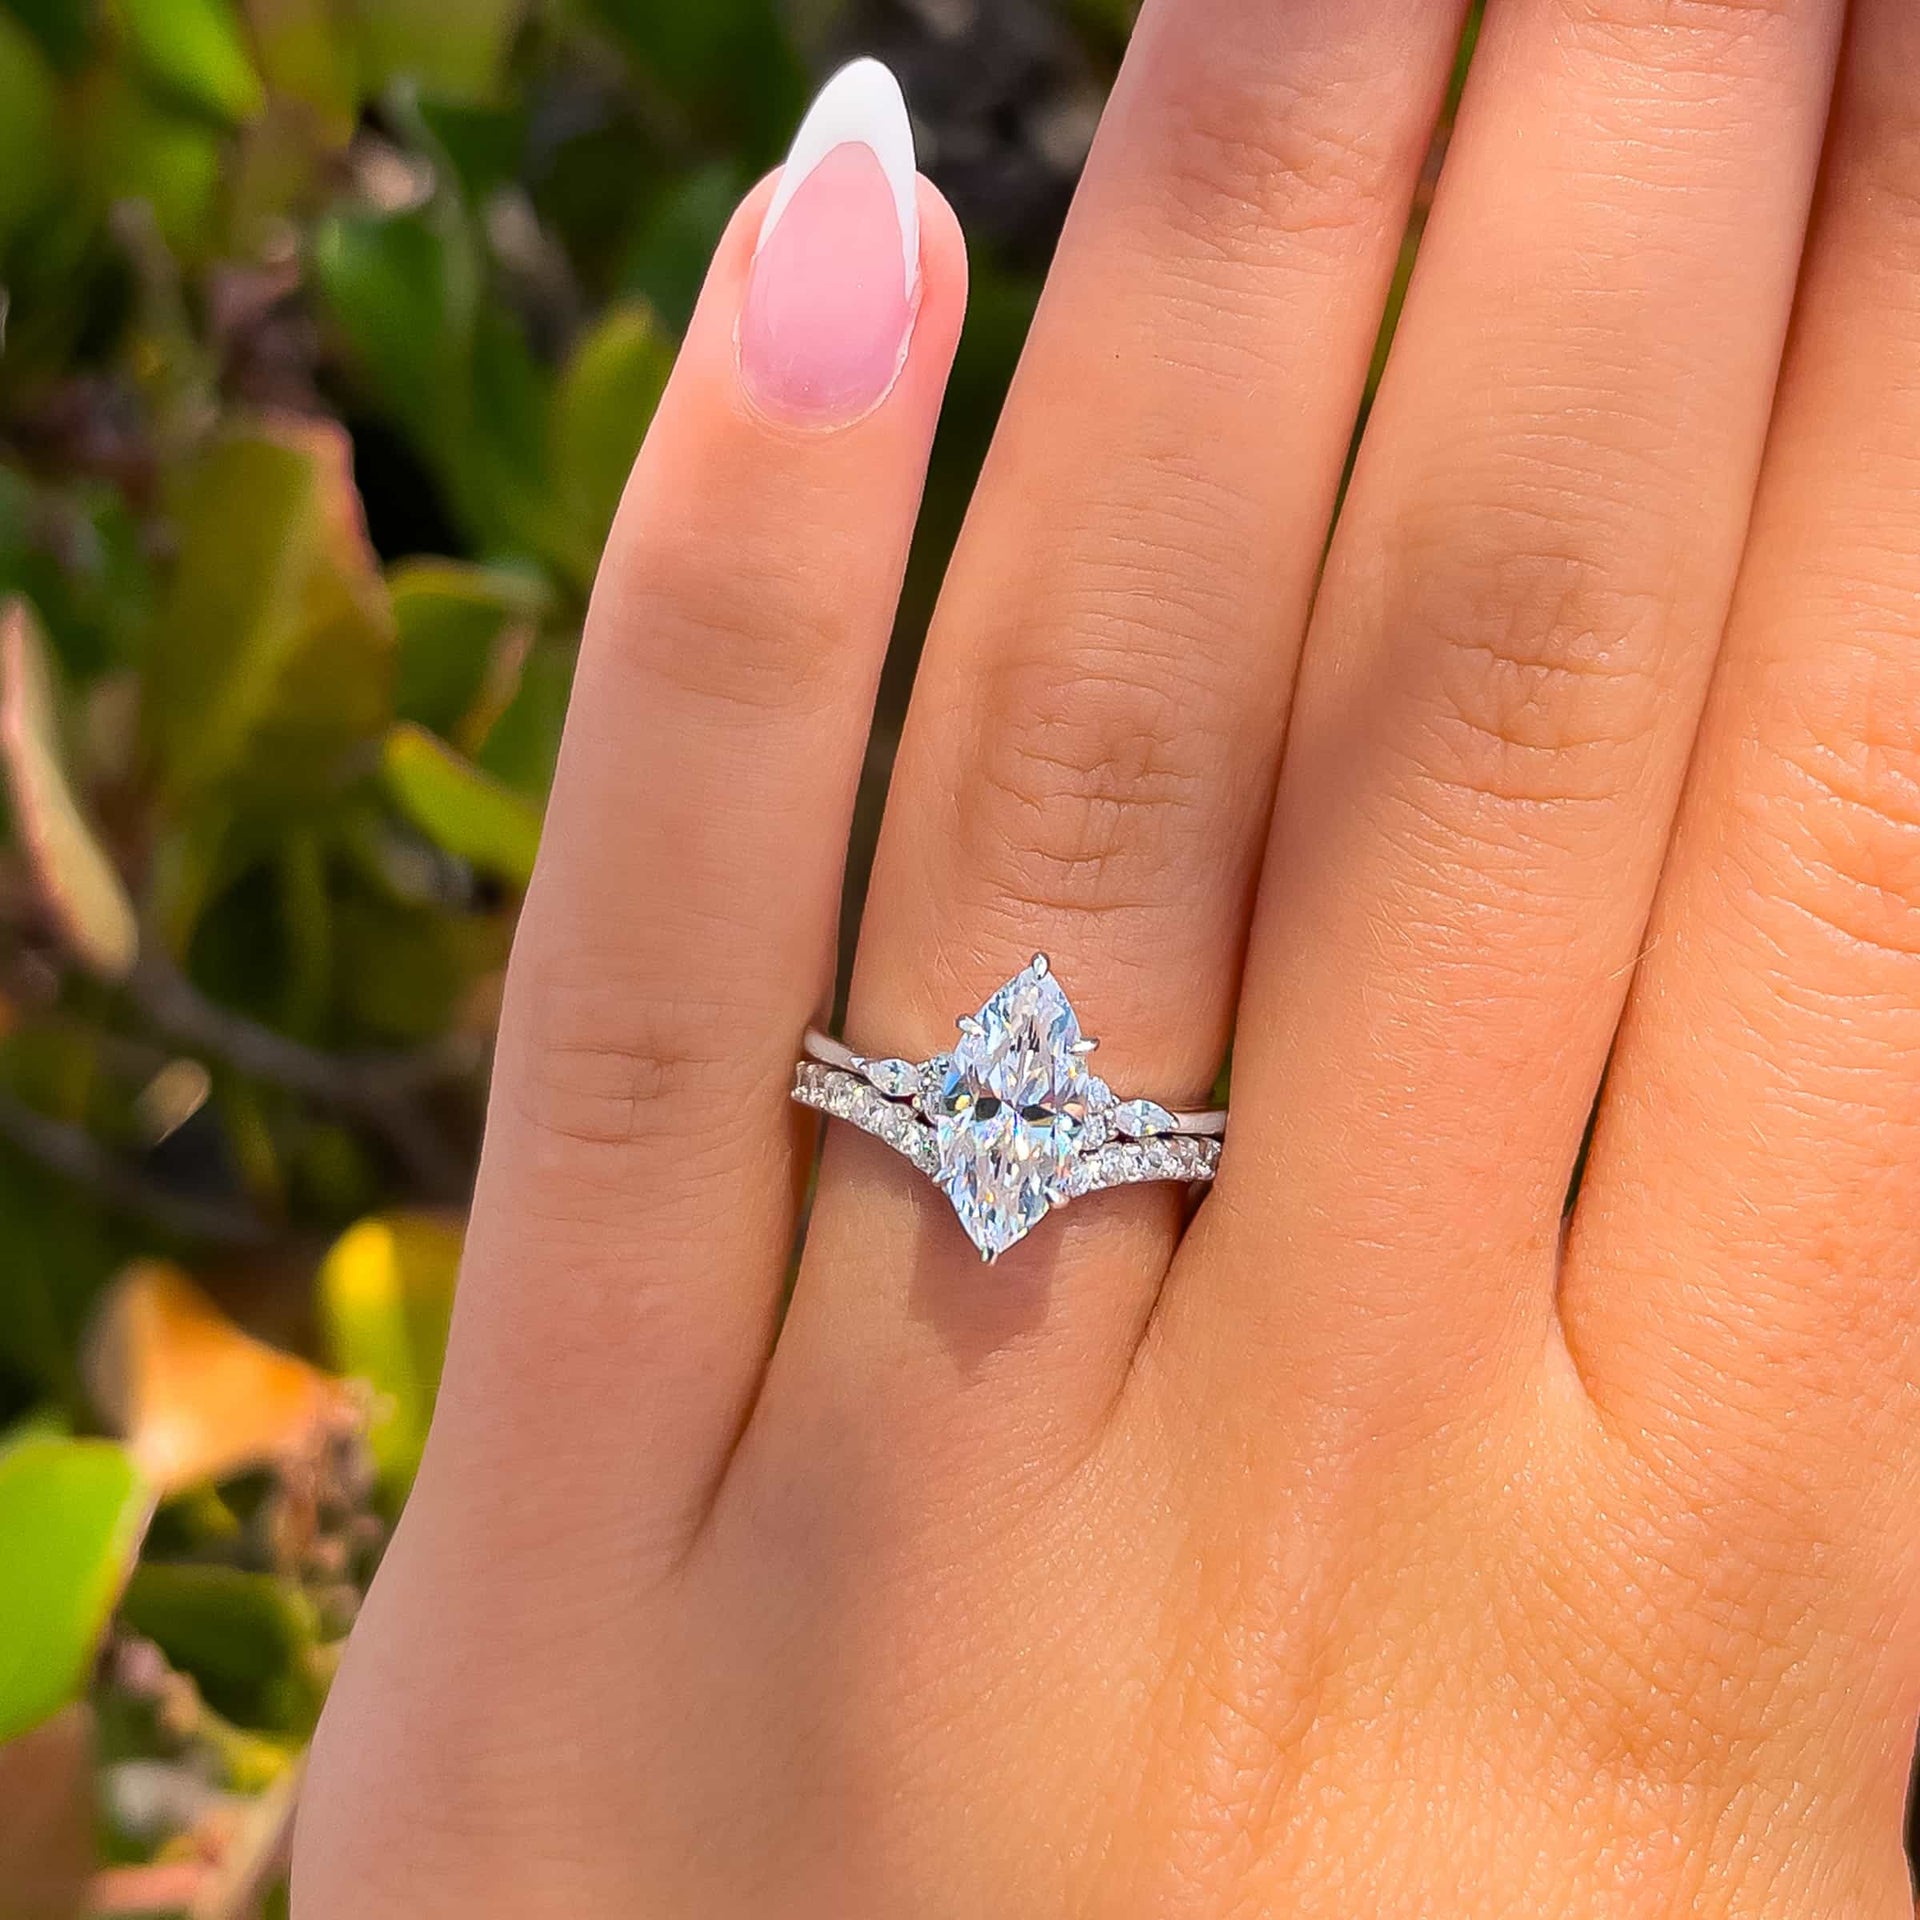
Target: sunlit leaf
{"x": 386, "y": 1295}
{"x": 602, "y": 408}
{"x": 196, "y": 48}
{"x": 460, "y": 809}
{"x": 453, "y": 49}
{"x": 306, "y": 56}
{"x": 194, "y": 1397}
{"x": 77, "y": 880}
{"x": 132, "y": 146}
{"x": 71, "y": 1516}
{"x": 273, "y": 657}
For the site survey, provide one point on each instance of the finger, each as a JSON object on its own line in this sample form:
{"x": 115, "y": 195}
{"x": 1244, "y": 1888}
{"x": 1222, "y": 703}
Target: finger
{"x": 636, "y": 1204}
{"x": 1089, "y": 758}
{"x": 1746, "y": 1245}
{"x": 1508, "y": 656}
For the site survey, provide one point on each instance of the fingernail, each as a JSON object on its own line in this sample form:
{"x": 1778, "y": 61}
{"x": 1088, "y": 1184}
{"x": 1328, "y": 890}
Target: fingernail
{"x": 835, "y": 280}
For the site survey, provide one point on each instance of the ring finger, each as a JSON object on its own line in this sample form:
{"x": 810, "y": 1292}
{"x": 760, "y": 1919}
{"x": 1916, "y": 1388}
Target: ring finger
{"x": 1088, "y": 763}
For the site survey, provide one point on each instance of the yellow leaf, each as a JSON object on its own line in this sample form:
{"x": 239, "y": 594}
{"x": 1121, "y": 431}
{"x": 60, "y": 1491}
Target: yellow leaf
{"x": 79, "y": 882}
{"x": 460, "y": 808}
{"x": 195, "y": 1398}
{"x": 386, "y": 1295}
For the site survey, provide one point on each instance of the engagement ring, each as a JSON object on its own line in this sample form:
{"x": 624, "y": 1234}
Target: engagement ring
{"x": 1013, "y": 1122}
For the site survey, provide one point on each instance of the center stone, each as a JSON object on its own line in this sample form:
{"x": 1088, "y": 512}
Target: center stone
{"x": 1010, "y": 1109}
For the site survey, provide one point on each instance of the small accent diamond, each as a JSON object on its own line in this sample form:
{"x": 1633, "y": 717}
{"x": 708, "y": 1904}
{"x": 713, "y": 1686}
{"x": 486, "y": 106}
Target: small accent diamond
{"x": 897, "y": 1079}
{"x": 1140, "y": 1119}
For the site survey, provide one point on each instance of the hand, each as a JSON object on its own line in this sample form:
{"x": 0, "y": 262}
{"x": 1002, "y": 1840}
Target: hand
{"x": 1391, "y": 1541}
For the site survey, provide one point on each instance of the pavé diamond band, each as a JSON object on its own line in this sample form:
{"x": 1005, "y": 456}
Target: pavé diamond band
{"x": 1013, "y": 1122}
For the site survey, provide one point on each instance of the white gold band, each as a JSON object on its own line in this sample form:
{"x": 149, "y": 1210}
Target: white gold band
{"x": 843, "y": 1095}
{"x": 1208, "y": 1123}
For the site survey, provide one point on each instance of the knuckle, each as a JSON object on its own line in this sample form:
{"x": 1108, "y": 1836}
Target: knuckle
{"x": 714, "y": 636}
{"x": 1252, "y": 154}
{"x": 595, "y": 1067}
{"x": 1546, "y": 683}
{"x": 1684, "y": 34}
{"x": 1089, "y": 778}
{"x": 1849, "y": 766}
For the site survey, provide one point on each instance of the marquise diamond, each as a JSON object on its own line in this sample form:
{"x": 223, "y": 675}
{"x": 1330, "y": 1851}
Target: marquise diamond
{"x": 1012, "y": 1108}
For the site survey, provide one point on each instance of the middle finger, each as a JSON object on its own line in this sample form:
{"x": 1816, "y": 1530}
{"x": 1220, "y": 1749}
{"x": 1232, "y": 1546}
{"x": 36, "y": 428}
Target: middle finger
{"x": 1498, "y": 697}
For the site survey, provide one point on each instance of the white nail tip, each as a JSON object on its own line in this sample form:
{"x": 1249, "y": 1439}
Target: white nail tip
{"x": 862, "y": 103}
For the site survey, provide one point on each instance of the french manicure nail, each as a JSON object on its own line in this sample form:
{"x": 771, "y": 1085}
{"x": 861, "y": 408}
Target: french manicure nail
{"x": 835, "y": 280}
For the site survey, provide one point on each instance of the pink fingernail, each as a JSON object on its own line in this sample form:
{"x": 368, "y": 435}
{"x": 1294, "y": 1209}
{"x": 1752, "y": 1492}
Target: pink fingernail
{"x": 835, "y": 281}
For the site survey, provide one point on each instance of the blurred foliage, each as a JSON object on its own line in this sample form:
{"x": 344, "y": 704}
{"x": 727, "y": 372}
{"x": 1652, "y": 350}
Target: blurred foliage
{"x": 328, "y": 331}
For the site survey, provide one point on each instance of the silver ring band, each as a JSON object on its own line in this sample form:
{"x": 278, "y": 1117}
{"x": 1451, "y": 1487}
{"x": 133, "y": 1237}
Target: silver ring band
{"x": 1013, "y": 1122}
{"x": 1208, "y": 1123}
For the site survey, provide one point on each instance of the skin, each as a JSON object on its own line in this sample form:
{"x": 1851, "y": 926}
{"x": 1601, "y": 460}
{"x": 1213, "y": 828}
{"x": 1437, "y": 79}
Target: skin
{"x": 1390, "y": 1542}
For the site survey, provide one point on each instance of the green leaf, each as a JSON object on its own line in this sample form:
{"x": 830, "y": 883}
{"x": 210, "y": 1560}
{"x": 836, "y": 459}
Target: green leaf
{"x": 503, "y": 490}
{"x": 29, "y": 106}
{"x": 450, "y": 619}
{"x": 451, "y": 368}
{"x": 133, "y": 146}
{"x": 196, "y": 49}
{"x": 77, "y": 880}
{"x": 251, "y": 1640}
{"x": 404, "y": 290}
{"x": 306, "y": 56}
{"x": 730, "y": 63}
{"x": 602, "y": 408}
{"x": 71, "y": 1516}
{"x": 450, "y": 49}
{"x": 59, "y": 1253}
{"x": 460, "y": 809}
{"x": 63, "y": 27}
{"x": 523, "y": 744}
{"x": 273, "y": 657}
{"x": 386, "y": 1296}
{"x": 402, "y": 972}
{"x": 667, "y": 255}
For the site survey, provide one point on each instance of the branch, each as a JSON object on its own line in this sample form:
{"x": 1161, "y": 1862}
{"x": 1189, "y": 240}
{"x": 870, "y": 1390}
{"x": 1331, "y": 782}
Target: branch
{"x": 75, "y": 1155}
{"x": 381, "y": 1089}
{"x": 259, "y": 1855}
{"x": 186, "y": 1015}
